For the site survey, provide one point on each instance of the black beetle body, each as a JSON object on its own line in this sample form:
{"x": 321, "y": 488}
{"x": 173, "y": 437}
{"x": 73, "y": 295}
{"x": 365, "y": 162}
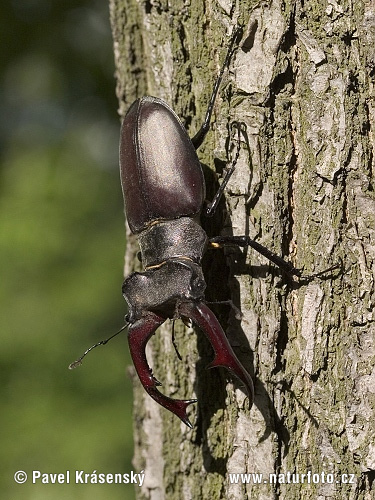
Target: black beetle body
{"x": 164, "y": 192}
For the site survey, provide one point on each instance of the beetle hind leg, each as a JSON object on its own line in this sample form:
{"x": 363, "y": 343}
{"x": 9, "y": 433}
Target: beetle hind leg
{"x": 139, "y": 334}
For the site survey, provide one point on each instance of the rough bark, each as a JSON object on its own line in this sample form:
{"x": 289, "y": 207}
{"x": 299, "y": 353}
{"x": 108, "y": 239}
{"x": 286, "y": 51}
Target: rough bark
{"x": 302, "y": 81}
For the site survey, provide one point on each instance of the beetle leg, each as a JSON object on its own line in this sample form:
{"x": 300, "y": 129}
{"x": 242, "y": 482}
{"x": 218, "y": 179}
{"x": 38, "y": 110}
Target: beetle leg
{"x": 211, "y": 207}
{"x": 245, "y": 241}
{"x": 224, "y": 355}
{"x": 202, "y": 132}
{"x": 287, "y": 267}
{"x": 174, "y": 342}
{"x": 139, "y": 334}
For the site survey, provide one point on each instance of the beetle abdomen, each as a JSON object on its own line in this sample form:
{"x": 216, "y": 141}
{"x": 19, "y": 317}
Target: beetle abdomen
{"x": 161, "y": 176}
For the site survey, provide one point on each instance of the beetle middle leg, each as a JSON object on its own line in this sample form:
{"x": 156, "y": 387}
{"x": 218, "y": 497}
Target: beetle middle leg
{"x": 287, "y": 267}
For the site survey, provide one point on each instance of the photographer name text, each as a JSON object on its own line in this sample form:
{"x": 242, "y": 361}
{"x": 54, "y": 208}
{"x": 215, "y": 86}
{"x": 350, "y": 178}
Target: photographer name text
{"x": 81, "y": 477}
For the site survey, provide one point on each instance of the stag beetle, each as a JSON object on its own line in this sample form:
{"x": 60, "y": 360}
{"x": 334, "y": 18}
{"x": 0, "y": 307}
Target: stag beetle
{"x": 164, "y": 195}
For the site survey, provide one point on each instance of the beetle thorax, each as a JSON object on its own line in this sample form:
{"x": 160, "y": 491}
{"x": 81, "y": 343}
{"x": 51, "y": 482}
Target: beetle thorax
{"x": 180, "y": 238}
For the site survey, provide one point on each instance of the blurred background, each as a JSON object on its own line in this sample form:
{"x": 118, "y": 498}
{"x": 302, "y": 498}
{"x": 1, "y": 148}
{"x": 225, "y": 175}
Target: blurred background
{"x": 62, "y": 243}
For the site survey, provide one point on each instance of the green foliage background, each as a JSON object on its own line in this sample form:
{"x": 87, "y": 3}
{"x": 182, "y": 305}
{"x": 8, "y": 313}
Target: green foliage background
{"x": 61, "y": 251}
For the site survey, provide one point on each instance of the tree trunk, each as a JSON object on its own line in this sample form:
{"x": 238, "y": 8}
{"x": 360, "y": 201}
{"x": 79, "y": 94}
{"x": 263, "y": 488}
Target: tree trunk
{"x": 302, "y": 82}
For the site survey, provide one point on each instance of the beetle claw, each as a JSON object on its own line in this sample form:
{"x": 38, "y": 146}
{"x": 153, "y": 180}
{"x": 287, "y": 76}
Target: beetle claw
{"x": 139, "y": 334}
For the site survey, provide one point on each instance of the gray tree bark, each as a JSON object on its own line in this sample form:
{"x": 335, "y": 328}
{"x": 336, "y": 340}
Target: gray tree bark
{"x": 302, "y": 81}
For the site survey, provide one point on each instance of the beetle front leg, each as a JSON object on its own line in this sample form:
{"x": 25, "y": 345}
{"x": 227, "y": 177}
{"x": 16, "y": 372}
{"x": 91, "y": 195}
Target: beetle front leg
{"x": 202, "y": 315}
{"x": 202, "y": 132}
{"x": 139, "y": 334}
{"x": 212, "y": 206}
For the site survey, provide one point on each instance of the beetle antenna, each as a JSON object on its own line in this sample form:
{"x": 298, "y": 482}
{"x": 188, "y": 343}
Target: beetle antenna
{"x": 78, "y": 362}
